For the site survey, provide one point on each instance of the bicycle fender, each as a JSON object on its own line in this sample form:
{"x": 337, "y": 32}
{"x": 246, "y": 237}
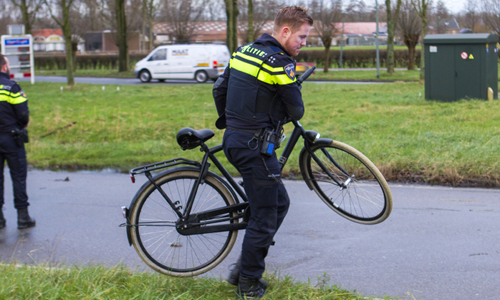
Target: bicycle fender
{"x": 163, "y": 173}
{"x": 144, "y": 186}
{"x": 302, "y": 158}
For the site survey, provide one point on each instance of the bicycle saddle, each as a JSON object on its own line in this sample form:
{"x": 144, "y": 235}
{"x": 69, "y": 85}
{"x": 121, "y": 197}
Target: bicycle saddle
{"x": 188, "y": 138}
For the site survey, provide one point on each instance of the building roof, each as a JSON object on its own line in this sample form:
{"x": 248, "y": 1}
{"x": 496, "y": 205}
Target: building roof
{"x": 46, "y": 32}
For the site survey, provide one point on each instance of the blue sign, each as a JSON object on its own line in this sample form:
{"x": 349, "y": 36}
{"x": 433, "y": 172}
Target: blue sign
{"x": 17, "y": 42}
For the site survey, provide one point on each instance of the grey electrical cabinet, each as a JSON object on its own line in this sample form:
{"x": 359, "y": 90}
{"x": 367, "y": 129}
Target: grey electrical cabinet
{"x": 461, "y": 66}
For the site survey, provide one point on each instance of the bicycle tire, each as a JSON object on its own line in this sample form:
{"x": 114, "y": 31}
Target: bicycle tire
{"x": 160, "y": 246}
{"x": 367, "y": 198}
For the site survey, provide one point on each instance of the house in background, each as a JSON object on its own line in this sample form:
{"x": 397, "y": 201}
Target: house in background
{"x": 450, "y": 26}
{"x": 361, "y": 33}
{"x": 105, "y": 41}
{"x": 52, "y": 40}
{"x": 209, "y": 32}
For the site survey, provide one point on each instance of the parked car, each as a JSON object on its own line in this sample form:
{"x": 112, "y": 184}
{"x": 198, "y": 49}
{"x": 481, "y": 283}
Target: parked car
{"x": 199, "y": 62}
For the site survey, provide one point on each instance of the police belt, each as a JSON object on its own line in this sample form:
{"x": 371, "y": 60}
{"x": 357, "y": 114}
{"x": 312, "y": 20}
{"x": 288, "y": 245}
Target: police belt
{"x": 256, "y": 132}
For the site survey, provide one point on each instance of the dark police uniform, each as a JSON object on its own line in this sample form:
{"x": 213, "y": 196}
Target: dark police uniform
{"x": 14, "y": 114}
{"x": 258, "y": 90}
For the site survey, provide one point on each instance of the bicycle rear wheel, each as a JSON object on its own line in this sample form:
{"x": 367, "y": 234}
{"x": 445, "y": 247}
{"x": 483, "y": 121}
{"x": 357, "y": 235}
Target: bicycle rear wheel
{"x": 155, "y": 237}
{"x": 362, "y": 195}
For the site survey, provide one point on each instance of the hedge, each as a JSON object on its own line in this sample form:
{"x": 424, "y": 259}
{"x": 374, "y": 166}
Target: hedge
{"x": 365, "y": 58}
{"x": 84, "y": 61}
{"x": 358, "y": 58}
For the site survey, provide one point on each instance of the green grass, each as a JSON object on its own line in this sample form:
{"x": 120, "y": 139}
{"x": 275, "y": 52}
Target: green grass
{"x": 408, "y": 137}
{"x": 98, "y": 282}
{"x": 87, "y": 73}
{"x": 396, "y": 47}
{"x": 370, "y": 75}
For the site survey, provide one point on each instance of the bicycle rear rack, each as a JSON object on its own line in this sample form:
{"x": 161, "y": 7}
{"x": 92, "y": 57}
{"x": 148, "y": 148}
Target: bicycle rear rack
{"x": 162, "y": 165}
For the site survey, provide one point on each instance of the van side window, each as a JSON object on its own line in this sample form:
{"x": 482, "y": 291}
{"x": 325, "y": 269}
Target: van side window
{"x": 161, "y": 54}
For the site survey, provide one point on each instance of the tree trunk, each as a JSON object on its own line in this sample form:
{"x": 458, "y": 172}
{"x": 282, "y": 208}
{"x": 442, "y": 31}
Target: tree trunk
{"x": 327, "y": 43}
{"x": 67, "y": 41}
{"x": 232, "y": 32}
{"x": 74, "y": 49}
{"x": 144, "y": 20}
{"x": 26, "y": 17}
{"x": 422, "y": 51}
{"x": 251, "y": 35}
{"x": 391, "y": 25}
{"x": 123, "y": 59}
{"x": 411, "y": 56}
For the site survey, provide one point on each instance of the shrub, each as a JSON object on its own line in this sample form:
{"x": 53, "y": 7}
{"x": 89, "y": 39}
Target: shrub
{"x": 365, "y": 58}
{"x": 84, "y": 61}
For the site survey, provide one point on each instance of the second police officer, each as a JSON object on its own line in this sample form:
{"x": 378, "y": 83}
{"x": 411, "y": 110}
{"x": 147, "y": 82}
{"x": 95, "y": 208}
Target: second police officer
{"x": 255, "y": 96}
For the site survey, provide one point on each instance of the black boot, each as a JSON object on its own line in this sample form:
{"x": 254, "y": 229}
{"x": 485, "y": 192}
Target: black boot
{"x": 234, "y": 275}
{"x": 249, "y": 288}
{"x": 2, "y": 219}
{"x": 23, "y": 219}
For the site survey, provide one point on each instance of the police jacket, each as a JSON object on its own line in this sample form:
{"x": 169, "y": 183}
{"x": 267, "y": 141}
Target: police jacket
{"x": 14, "y": 111}
{"x": 258, "y": 89}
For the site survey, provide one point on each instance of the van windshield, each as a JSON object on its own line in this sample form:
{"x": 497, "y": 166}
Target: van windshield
{"x": 161, "y": 54}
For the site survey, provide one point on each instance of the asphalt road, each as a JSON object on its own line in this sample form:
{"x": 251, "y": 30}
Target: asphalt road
{"x": 439, "y": 242}
{"x": 135, "y": 81}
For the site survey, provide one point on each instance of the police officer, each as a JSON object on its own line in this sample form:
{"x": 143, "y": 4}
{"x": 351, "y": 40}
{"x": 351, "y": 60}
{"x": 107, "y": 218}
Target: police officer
{"x": 14, "y": 117}
{"x": 255, "y": 96}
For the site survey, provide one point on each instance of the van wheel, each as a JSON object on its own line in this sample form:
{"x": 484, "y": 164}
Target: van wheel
{"x": 145, "y": 76}
{"x": 201, "y": 76}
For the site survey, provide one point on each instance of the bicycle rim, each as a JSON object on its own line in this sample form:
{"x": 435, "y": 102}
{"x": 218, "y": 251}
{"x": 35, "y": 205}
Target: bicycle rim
{"x": 156, "y": 239}
{"x": 363, "y": 195}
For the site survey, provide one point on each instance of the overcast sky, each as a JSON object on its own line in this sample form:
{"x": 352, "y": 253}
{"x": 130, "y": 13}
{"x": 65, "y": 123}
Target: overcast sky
{"x": 454, "y": 6}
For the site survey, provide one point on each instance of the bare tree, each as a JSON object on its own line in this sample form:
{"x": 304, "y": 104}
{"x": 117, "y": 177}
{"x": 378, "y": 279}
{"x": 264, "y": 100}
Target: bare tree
{"x": 263, "y": 12}
{"x": 181, "y": 16}
{"x": 62, "y": 19}
{"x": 492, "y": 15}
{"x": 121, "y": 24}
{"x": 29, "y": 9}
{"x": 6, "y": 16}
{"x": 421, "y": 7}
{"x": 441, "y": 15}
{"x": 232, "y": 24}
{"x": 392, "y": 20}
{"x": 472, "y": 15}
{"x": 325, "y": 14}
{"x": 409, "y": 27}
{"x": 149, "y": 9}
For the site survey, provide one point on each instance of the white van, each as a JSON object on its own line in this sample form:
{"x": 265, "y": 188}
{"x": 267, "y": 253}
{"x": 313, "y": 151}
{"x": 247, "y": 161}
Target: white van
{"x": 200, "y": 62}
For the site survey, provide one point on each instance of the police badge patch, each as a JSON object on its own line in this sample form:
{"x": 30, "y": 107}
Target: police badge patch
{"x": 290, "y": 71}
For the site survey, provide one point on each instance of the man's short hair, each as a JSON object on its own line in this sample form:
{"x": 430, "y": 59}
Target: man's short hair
{"x": 3, "y": 62}
{"x": 292, "y": 16}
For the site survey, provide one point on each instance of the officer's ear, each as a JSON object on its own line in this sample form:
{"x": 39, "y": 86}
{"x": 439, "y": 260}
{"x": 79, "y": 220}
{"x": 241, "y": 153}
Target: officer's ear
{"x": 286, "y": 31}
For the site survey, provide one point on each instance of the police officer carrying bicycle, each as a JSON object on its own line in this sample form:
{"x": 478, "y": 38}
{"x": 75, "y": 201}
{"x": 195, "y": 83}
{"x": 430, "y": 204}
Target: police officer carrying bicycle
{"x": 257, "y": 94}
{"x": 14, "y": 117}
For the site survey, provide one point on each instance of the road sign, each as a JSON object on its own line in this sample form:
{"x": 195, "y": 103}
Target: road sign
{"x": 19, "y": 50}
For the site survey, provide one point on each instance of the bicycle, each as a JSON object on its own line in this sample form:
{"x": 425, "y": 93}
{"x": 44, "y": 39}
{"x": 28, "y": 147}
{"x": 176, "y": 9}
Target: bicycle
{"x": 184, "y": 220}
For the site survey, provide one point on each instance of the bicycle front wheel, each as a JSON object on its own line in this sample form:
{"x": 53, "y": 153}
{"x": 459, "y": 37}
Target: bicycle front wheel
{"x": 361, "y": 193}
{"x": 154, "y": 234}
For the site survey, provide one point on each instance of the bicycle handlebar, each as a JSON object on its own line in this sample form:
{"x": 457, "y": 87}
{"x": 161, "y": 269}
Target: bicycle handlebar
{"x": 305, "y": 75}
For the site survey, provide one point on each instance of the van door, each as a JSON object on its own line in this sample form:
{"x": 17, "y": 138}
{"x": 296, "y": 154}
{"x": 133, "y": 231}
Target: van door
{"x": 157, "y": 64}
{"x": 179, "y": 63}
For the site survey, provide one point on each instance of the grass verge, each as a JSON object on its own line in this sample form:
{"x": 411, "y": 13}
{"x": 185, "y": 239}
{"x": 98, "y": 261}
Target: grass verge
{"x": 98, "y": 282}
{"x": 407, "y": 137}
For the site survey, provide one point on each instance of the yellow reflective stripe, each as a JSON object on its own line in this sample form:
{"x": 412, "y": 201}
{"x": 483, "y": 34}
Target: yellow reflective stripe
{"x": 259, "y": 61}
{"x": 252, "y": 70}
{"x": 12, "y": 98}
{"x": 283, "y": 79}
{"x": 250, "y": 58}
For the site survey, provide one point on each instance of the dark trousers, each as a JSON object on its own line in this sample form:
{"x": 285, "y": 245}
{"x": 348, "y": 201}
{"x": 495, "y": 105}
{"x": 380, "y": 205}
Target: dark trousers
{"x": 16, "y": 160}
{"x": 266, "y": 194}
